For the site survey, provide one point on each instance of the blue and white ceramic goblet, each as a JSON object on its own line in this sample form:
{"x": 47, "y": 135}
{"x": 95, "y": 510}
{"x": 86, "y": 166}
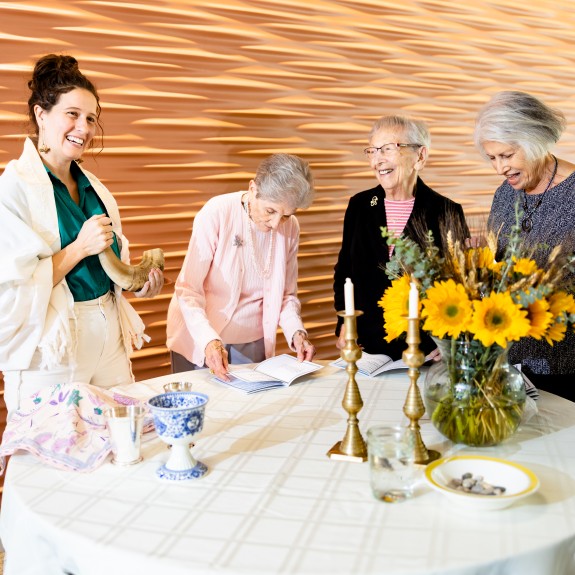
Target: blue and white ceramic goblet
{"x": 178, "y": 416}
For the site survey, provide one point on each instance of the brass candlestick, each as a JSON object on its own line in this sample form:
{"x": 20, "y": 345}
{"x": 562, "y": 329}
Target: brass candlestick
{"x": 352, "y": 447}
{"x": 413, "y": 406}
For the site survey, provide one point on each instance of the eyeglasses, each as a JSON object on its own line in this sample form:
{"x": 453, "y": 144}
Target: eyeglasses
{"x": 388, "y": 149}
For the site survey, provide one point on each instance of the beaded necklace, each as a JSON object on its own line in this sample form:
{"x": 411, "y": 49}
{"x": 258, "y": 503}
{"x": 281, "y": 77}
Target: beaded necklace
{"x": 527, "y": 221}
{"x": 264, "y": 272}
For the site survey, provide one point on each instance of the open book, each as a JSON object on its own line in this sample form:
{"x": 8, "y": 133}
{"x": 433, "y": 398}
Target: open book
{"x": 278, "y": 371}
{"x": 374, "y": 364}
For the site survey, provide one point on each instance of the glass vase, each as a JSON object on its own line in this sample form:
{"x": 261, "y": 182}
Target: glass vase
{"x": 472, "y": 395}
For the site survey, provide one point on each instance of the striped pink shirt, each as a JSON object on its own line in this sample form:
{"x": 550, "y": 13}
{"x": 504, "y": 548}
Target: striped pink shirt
{"x": 397, "y": 213}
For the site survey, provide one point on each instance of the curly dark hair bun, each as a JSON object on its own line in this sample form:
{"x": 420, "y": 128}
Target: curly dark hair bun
{"x": 53, "y": 76}
{"x": 54, "y": 69}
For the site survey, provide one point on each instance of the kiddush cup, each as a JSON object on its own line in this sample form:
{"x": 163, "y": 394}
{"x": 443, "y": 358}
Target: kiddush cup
{"x": 178, "y": 386}
{"x": 178, "y": 416}
{"x": 125, "y": 424}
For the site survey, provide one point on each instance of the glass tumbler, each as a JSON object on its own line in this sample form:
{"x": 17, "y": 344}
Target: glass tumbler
{"x": 391, "y": 453}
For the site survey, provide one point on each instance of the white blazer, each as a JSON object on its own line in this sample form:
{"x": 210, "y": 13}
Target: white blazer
{"x": 34, "y": 314}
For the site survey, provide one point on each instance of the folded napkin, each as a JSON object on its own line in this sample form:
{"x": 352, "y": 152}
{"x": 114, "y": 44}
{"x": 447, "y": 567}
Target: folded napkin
{"x": 64, "y": 426}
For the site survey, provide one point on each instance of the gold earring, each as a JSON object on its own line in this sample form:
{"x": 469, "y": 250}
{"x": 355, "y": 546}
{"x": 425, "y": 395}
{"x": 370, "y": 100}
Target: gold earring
{"x": 43, "y": 148}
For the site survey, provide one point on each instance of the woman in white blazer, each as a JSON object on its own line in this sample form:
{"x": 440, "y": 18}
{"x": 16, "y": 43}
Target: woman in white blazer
{"x": 63, "y": 319}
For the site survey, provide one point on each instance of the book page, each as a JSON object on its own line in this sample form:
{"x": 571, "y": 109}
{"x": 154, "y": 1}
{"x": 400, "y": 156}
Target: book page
{"x": 251, "y": 375}
{"x": 368, "y": 363}
{"x": 248, "y": 386}
{"x": 375, "y": 364}
{"x": 390, "y": 366}
{"x": 286, "y": 367}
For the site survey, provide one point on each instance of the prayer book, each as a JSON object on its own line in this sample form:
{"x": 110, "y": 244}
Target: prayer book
{"x": 278, "y": 371}
{"x": 373, "y": 364}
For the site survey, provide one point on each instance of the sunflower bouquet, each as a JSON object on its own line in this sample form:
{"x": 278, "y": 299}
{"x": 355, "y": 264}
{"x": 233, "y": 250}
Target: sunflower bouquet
{"x": 474, "y": 306}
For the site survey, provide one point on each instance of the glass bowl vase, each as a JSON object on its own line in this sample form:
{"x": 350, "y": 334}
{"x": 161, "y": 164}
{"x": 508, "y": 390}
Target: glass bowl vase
{"x": 473, "y": 395}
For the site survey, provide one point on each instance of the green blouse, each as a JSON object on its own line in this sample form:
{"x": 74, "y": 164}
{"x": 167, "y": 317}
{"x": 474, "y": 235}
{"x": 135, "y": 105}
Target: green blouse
{"x": 87, "y": 280}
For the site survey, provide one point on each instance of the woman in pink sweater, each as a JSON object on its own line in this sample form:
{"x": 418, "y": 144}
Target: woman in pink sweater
{"x": 239, "y": 278}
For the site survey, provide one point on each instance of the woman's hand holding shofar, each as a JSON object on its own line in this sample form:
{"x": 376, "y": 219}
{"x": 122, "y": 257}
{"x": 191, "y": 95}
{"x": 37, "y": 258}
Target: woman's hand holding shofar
{"x": 133, "y": 277}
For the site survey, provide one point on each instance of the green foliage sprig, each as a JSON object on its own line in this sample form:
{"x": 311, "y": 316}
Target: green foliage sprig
{"x": 425, "y": 264}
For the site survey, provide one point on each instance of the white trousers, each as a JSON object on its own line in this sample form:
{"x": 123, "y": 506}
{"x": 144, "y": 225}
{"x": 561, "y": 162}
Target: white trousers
{"x": 100, "y": 357}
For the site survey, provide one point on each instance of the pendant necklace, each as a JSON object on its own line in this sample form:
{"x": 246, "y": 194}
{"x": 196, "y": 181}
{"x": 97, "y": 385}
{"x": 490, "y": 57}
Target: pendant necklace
{"x": 527, "y": 221}
{"x": 266, "y": 271}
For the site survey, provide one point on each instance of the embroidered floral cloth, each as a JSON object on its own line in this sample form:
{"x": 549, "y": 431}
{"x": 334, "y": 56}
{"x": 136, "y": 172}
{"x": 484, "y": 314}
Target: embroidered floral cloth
{"x": 64, "y": 426}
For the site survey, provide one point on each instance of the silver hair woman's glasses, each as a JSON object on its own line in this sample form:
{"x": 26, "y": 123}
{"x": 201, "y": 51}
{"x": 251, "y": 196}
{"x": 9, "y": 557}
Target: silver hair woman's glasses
{"x": 388, "y": 149}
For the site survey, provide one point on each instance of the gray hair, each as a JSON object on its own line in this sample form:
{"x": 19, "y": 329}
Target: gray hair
{"x": 285, "y": 178}
{"x": 415, "y": 131}
{"x": 520, "y": 120}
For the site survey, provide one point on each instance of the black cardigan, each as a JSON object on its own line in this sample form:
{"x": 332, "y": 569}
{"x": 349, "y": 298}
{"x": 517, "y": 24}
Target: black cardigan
{"x": 364, "y": 254}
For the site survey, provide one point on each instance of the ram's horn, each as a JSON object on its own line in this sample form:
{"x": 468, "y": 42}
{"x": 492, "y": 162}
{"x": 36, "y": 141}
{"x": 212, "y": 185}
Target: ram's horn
{"x": 130, "y": 277}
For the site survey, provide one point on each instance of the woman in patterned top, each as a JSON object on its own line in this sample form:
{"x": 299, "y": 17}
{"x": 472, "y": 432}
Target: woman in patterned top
{"x": 516, "y": 131}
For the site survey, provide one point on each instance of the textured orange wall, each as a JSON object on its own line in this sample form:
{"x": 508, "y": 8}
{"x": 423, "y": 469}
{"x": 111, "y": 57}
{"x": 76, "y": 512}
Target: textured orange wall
{"x": 195, "y": 93}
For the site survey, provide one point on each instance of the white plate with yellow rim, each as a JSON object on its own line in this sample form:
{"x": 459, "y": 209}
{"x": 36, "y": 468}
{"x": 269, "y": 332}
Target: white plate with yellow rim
{"x": 518, "y": 481}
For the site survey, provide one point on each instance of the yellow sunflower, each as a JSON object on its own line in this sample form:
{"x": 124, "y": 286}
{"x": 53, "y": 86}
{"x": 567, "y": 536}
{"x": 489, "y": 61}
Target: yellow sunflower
{"x": 496, "y": 267}
{"x": 539, "y": 317}
{"x": 498, "y": 319}
{"x": 556, "y": 332}
{"x": 486, "y": 257}
{"x": 447, "y": 309}
{"x": 524, "y": 266}
{"x": 561, "y": 302}
{"x": 395, "y": 304}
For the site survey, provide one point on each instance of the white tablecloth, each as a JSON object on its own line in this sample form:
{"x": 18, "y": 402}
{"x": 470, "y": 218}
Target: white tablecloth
{"x": 273, "y": 502}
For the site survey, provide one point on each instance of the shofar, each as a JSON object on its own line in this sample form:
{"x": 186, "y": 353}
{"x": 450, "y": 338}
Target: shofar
{"x": 129, "y": 277}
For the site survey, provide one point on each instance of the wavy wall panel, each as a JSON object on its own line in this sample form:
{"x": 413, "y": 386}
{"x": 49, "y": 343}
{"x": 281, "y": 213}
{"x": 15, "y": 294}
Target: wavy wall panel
{"x": 196, "y": 92}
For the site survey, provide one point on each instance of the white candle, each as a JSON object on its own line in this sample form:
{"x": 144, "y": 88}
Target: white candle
{"x": 413, "y": 300}
{"x": 348, "y": 297}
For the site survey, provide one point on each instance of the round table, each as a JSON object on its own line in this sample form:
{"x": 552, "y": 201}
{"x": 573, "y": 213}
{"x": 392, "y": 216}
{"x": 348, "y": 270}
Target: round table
{"x": 273, "y": 502}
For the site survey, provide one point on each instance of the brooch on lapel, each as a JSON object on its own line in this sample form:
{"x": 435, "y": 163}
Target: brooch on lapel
{"x": 238, "y": 243}
{"x": 374, "y": 201}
